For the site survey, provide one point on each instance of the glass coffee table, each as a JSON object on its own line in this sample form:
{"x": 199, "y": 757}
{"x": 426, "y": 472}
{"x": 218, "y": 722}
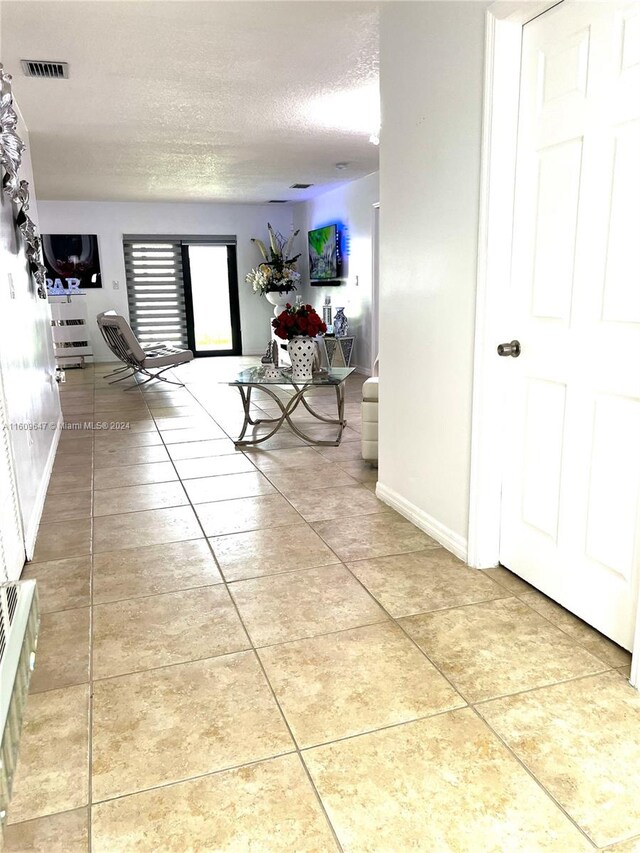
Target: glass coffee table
{"x": 266, "y": 378}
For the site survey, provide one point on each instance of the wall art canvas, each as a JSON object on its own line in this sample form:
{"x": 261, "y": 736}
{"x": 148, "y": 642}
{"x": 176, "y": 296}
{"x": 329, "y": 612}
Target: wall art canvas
{"x": 325, "y": 260}
{"x": 72, "y": 262}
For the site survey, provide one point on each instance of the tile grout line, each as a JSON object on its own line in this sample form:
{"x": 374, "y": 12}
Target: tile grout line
{"x": 566, "y": 633}
{"x": 532, "y": 775}
{"x": 195, "y": 778}
{"x": 91, "y": 655}
{"x": 270, "y": 574}
{"x": 90, "y": 707}
{"x": 303, "y": 639}
{"x": 365, "y": 514}
{"x": 597, "y": 674}
{"x": 240, "y": 580}
{"x": 475, "y": 711}
{"x": 519, "y": 595}
{"x": 339, "y": 561}
{"x": 250, "y": 647}
{"x": 392, "y": 619}
{"x": 455, "y": 690}
{"x": 509, "y": 592}
{"x": 310, "y": 748}
{"x": 268, "y": 682}
{"x": 386, "y": 727}
{"x": 472, "y": 706}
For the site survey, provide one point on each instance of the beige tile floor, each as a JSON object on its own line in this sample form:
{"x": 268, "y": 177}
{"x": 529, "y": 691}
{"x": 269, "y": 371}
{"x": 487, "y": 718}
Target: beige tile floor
{"x": 247, "y": 651}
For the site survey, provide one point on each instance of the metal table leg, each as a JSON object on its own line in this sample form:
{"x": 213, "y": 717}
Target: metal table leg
{"x": 287, "y": 411}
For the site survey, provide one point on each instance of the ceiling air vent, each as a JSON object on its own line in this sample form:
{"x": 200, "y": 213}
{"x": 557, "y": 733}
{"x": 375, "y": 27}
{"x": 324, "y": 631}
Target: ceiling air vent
{"x": 45, "y": 69}
{"x": 300, "y": 186}
{"x": 277, "y": 201}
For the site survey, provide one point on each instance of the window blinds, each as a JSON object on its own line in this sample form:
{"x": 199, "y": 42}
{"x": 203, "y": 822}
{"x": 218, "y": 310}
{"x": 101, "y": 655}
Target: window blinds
{"x": 155, "y": 290}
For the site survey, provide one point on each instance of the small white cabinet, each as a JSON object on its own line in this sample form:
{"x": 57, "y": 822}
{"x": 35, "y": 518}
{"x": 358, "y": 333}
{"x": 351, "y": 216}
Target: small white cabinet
{"x": 70, "y": 330}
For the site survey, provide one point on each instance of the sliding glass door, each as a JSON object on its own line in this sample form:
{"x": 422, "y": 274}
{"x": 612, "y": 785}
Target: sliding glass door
{"x": 184, "y": 290}
{"x": 211, "y": 295}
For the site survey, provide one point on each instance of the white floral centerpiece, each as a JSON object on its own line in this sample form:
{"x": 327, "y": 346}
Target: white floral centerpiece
{"x": 276, "y": 277}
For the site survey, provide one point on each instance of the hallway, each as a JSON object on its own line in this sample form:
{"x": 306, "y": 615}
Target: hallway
{"x": 249, "y": 651}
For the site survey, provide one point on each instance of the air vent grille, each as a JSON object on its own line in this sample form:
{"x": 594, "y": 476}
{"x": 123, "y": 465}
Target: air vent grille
{"x": 19, "y": 621}
{"x": 277, "y": 201}
{"x": 45, "y": 69}
{"x": 300, "y": 186}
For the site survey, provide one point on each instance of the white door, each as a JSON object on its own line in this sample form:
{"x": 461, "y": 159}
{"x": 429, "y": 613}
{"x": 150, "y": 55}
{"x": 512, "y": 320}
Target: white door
{"x": 571, "y": 490}
{"x": 12, "y": 554}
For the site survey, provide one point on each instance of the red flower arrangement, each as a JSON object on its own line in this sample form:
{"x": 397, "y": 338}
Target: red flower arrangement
{"x": 298, "y": 320}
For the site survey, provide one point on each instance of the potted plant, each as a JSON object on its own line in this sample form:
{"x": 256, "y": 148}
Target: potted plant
{"x": 299, "y": 325}
{"x": 276, "y": 277}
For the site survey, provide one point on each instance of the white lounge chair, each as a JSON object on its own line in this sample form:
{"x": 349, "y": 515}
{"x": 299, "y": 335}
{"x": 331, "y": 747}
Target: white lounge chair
{"x": 126, "y": 347}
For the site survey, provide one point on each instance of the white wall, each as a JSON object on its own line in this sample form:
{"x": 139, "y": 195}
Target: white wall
{"x": 431, "y": 72}
{"x": 110, "y": 220}
{"x": 27, "y": 365}
{"x": 351, "y": 205}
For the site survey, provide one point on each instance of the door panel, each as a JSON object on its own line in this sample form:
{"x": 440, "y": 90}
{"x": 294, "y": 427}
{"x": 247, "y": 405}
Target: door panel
{"x": 557, "y": 192}
{"x": 571, "y": 495}
{"x": 628, "y": 36}
{"x": 621, "y": 303}
{"x": 544, "y": 428}
{"x": 615, "y": 484}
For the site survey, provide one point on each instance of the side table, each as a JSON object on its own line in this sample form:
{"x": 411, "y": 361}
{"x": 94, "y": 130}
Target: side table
{"x": 339, "y": 350}
{"x": 258, "y": 378}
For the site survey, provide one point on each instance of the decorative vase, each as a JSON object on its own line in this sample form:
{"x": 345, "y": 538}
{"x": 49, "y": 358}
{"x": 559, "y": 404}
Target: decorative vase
{"x": 327, "y": 313}
{"x": 340, "y": 324}
{"x": 302, "y": 351}
{"x": 280, "y": 300}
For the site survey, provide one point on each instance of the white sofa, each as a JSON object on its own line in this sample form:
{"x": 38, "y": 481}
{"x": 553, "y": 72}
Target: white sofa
{"x": 370, "y": 419}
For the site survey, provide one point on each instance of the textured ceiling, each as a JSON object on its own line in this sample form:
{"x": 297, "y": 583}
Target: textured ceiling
{"x": 202, "y": 101}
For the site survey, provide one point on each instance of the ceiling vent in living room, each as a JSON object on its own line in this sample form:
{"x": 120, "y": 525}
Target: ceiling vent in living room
{"x": 278, "y": 201}
{"x": 45, "y": 69}
{"x": 300, "y": 186}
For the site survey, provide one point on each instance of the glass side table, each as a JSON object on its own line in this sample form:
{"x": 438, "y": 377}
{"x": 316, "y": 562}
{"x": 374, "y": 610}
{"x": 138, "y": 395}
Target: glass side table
{"x": 265, "y": 378}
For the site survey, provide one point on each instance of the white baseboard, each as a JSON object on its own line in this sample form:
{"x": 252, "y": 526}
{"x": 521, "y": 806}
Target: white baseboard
{"x": 31, "y": 533}
{"x": 432, "y": 527}
{"x": 365, "y": 371}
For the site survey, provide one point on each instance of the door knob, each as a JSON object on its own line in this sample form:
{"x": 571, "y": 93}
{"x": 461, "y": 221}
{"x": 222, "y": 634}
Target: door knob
{"x": 512, "y": 349}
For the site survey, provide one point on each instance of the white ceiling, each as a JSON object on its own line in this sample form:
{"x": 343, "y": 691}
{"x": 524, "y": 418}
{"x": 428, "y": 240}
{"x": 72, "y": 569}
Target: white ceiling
{"x": 202, "y": 101}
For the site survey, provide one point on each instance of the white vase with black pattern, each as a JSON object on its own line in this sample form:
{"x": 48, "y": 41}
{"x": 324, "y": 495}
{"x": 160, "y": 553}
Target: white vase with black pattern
{"x": 302, "y": 350}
